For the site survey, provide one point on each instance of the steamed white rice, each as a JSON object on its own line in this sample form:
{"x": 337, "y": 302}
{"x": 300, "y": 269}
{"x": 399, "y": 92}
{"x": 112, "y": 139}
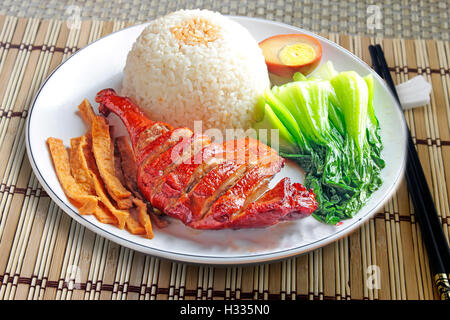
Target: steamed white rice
{"x": 217, "y": 79}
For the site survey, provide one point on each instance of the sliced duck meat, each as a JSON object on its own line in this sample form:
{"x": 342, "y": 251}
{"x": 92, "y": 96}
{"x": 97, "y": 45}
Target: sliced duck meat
{"x": 234, "y": 200}
{"x": 127, "y": 163}
{"x": 235, "y": 163}
{"x": 181, "y": 180}
{"x": 219, "y": 186}
{"x": 165, "y": 141}
{"x": 193, "y": 205}
{"x": 151, "y": 174}
{"x": 286, "y": 201}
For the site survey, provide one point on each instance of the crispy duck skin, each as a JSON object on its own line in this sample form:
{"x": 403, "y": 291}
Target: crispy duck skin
{"x": 193, "y": 206}
{"x": 178, "y": 181}
{"x": 232, "y": 202}
{"x": 141, "y": 129}
{"x": 203, "y": 184}
{"x": 217, "y": 188}
{"x": 151, "y": 174}
{"x": 286, "y": 201}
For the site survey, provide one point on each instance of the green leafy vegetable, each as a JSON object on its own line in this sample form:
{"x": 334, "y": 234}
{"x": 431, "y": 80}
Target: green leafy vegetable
{"x": 298, "y": 77}
{"x": 353, "y": 97}
{"x": 328, "y": 125}
{"x": 325, "y": 72}
{"x": 284, "y": 140}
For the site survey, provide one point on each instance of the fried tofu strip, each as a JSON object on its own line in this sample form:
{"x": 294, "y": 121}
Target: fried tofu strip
{"x": 88, "y": 115}
{"x": 104, "y": 216}
{"x": 144, "y": 218}
{"x": 86, "y": 157}
{"x": 78, "y": 165}
{"x": 83, "y": 175}
{"x": 133, "y": 225}
{"x": 86, "y": 203}
{"x": 121, "y": 215}
{"x": 104, "y": 157}
{"x": 125, "y": 170}
{"x": 86, "y": 111}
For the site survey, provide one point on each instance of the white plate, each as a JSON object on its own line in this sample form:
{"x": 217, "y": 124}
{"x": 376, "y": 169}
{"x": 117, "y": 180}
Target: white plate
{"x": 100, "y": 64}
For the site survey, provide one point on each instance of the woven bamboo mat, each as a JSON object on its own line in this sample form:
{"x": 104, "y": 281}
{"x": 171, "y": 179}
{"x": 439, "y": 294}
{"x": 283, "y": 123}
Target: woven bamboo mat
{"x": 427, "y": 19}
{"x": 44, "y": 254}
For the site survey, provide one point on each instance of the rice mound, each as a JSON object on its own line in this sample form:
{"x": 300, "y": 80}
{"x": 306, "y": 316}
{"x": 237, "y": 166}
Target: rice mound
{"x": 196, "y": 65}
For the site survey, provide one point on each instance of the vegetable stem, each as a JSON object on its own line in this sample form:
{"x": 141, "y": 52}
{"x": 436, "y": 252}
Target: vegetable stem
{"x": 331, "y": 125}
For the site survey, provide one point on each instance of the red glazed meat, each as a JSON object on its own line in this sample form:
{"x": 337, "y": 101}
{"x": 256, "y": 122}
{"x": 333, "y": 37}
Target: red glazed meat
{"x": 203, "y": 184}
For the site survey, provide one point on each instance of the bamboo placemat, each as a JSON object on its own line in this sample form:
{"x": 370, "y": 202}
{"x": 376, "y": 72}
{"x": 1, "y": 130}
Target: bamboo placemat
{"x": 427, "y": 19}
{"x": 44, "y": 254}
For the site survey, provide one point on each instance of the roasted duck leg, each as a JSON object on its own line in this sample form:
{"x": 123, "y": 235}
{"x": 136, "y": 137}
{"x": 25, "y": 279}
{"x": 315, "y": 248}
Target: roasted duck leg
{"x": 203, "y": 184}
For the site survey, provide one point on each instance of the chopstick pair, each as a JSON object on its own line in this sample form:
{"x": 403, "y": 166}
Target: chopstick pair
{"x": 424, "y": 208}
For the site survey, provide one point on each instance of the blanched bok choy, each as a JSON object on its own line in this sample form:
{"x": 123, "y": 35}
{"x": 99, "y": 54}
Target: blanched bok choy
{"x": 327, "y": 124}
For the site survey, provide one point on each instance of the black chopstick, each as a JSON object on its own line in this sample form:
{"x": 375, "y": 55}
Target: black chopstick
{"x": 414, "y": 161}
{"x": 413, "y": 158}
{"x": 424, "y": 208}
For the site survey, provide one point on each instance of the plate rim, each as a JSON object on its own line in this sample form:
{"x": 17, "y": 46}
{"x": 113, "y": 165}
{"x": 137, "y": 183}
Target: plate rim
{"x": 218, "y": 260}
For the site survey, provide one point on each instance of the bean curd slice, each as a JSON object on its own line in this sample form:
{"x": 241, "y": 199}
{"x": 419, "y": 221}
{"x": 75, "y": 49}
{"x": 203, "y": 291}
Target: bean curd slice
{"x": 120, "y": 215}
{"x": 104, "y": 158}
{"x": 144, "y": 218}
{"x": 86, "y": 111}
{"x": 92, "y": 172}
{"x": 78, "y": 165}
{"x": 79, "y": 197}
{"x": 133, "y": 225}
{"x": 88, "y": 115}
{"x": 83, "y": 175}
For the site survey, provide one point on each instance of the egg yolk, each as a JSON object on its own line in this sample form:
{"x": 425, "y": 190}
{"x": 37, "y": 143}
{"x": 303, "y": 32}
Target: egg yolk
{"x": 296, "y": 54}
